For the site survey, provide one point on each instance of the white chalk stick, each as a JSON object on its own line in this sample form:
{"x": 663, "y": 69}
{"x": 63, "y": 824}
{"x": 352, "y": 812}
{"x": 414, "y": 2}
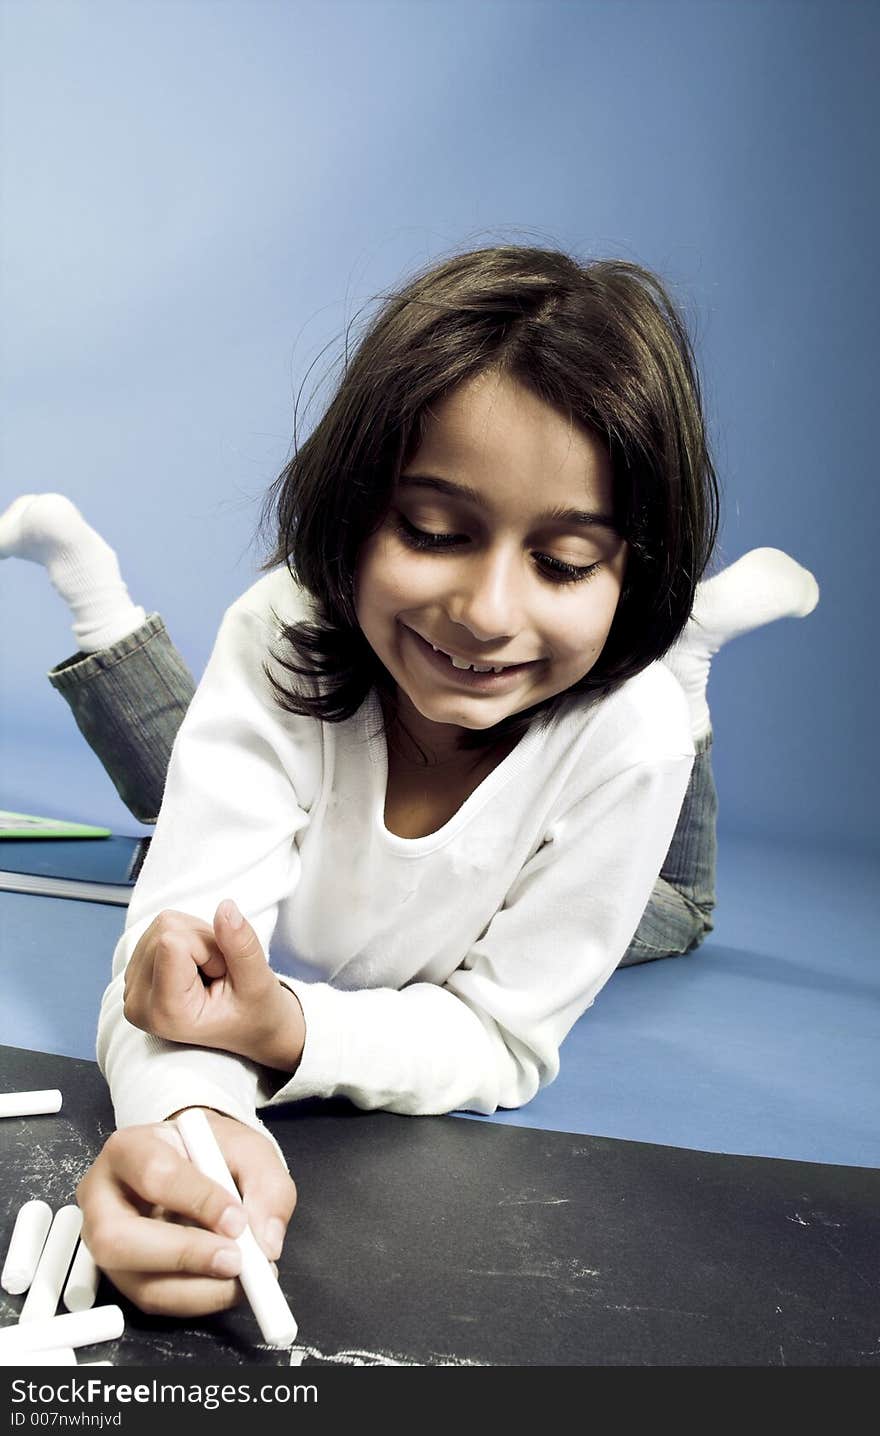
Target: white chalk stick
{"x": 274, "y": 1317}
{"x": 25, "y": 1245}
{"x": 56, "y": 1356}
{"x": 45, "y": 1289}
{"x": 82, "y": 1284}
{"x": 29, "y": 1104}
{"x": 75, "y": 1328}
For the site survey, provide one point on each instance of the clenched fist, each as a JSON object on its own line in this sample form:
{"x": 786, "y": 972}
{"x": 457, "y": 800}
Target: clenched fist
{"x": 213, "y": 987}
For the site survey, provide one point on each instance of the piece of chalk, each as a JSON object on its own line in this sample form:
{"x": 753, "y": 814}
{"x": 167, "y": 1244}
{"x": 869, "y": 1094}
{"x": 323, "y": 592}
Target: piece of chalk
{"x": 82, "y": 1284}
{"x": 274, "y": 1317}
{"x": 25, "y": 1245}
{"x": 56, "y": 1356}
{"x": 74, "y": 1328}
{"x": 44, "y": 1292}
{"x": 29, "y": 1104}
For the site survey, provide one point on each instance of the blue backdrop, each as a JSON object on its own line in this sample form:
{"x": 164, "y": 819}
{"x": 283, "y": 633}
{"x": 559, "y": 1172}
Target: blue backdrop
{"x": 198, "y": 195}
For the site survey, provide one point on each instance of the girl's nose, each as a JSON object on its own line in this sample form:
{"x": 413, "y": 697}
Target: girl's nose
{"x": 485, "y": 598}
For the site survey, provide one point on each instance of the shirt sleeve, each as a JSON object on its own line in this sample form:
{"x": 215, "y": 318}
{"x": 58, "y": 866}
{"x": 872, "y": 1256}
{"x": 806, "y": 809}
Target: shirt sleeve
{"x": 490, "y": 1036}
{"x": 235, "y": 801}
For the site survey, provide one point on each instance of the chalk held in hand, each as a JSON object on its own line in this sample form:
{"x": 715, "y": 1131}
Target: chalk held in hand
{"x": 82, "y": 1284}
{"x": 274, "y": 1317}
{"x": 75, "y": 1328}
{"x": 29, "y": 1104}
{"x": 45, "y": 1289}
{"x": 25, "y": 1246}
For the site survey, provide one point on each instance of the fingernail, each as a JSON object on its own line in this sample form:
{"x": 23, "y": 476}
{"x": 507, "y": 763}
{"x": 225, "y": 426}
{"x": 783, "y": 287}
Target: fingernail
{"x": 273, "y": 1238}
{"x": 232, "y": 915}
{"x": 233, "y": 1222}
{"x": 226, "y": 1262}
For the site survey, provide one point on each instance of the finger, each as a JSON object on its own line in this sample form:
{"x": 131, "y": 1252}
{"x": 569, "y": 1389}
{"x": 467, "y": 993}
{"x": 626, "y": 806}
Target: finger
{"x": 169, "y": 920}
{"x": 242, "y": 949}
{"x": 191, "y": 933}
{"x": 171, "y": 1295}
{"x": 269, "y": 1197}
{"x": 206, "y": 953}
{"x": 168, "y": 924}
{"x": 150, "y": 1166}
{"x": 120, "y": 1239}
{"x": 163, "y": 972}
{"x": 179, "y": 961}
{"x": 138, "y": 977}
{"x": 213, "y": 965}
{"x": 136, "y": 998}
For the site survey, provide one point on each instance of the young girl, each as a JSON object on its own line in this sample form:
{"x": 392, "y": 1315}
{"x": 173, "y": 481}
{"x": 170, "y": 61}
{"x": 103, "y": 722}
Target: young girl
{"x": 432, "y": 760}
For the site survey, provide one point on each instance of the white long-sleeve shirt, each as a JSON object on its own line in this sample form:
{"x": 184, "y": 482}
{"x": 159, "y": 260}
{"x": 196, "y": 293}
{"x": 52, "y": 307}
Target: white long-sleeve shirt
{"x": 437, "y": 973}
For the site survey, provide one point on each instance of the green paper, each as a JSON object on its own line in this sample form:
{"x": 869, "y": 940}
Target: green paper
{"x": 26, "y": 825}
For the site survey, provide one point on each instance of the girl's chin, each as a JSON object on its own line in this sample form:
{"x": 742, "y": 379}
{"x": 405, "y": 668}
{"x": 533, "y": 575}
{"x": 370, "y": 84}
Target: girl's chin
{"x": 457, "y": 714}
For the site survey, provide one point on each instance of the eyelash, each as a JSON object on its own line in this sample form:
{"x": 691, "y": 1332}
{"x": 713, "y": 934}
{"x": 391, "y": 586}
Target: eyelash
{"x": 555, "y": 569}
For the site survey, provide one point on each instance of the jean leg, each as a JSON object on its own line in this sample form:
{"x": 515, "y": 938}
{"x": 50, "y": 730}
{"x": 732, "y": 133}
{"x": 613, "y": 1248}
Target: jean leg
{"x": 129, "y": 701}
{"x": 679, "y": 911}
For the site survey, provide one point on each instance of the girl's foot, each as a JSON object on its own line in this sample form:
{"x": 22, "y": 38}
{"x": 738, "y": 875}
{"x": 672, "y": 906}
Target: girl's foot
{"x": 763, "y": 585}
{"x": 49, "y": 529}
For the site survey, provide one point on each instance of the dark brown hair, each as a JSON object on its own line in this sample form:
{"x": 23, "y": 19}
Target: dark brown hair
{"x": 602, "y": 343}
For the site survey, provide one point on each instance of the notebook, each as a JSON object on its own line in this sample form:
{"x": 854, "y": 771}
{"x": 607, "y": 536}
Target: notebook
{"x": 95, "y": 869}
{"x": 27, "y": 825}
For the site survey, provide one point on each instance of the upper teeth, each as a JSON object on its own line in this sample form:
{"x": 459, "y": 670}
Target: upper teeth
{"x": 477, "y": 667}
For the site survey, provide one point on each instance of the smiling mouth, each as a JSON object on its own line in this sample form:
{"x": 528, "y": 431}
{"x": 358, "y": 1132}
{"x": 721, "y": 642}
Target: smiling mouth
{"x": 473, "y": 667}
{"x": 466, "y": 665}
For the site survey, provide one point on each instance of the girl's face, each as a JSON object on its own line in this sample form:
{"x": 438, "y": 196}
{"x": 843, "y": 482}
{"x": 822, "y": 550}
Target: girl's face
{"x": 492, "y": 583}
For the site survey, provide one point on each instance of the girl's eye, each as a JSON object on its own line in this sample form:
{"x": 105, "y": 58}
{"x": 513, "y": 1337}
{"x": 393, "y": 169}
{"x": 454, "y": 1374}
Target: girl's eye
{"x": 559, "y": 572}
{"x": 422, "y": 538}
{"x": 554, "y": 569}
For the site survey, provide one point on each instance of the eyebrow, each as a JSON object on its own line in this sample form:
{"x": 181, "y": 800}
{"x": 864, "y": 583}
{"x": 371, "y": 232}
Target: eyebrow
{"x": 578, "y": 518}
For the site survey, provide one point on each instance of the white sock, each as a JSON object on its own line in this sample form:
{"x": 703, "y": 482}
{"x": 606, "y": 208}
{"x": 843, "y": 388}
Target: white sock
{"x": 49, "y": 529}
{"x": 763, "y": 585}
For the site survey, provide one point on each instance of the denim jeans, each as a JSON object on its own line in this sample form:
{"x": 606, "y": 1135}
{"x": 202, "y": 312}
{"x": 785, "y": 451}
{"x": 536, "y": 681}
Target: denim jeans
{"x": 129, "y": 701}
{"x": 679, "y": 910}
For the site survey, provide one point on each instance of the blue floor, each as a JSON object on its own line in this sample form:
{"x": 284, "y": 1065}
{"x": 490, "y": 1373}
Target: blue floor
{"x": 765, "y": 1042}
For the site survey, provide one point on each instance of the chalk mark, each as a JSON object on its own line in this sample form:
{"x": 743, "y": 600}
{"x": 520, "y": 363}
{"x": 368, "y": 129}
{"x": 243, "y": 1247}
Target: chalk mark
{"x": 356, "y": 1356}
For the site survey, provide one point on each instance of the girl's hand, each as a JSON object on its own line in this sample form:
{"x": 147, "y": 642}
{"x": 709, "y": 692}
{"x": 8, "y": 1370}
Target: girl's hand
{"x": 212, "y": 987}
{"x": 162, "y": 1231}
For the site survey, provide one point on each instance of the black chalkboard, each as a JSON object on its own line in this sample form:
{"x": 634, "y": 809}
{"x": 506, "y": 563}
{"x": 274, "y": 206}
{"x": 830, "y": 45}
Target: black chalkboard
{"x": 437, "y": 1241}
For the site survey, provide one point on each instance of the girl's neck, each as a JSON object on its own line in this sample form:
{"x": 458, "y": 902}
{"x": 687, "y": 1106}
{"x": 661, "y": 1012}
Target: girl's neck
{"x": 417, "y": 743}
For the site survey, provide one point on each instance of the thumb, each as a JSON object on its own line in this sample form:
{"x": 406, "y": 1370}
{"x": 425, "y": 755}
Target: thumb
{"x": 237, "y": 940}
